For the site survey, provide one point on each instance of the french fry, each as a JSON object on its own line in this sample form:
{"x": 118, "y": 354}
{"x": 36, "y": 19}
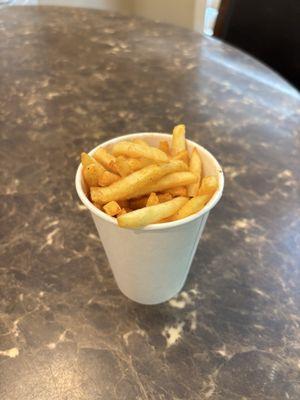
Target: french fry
{"x": 126, "y": 187}
{"x": 208, "y": 186}
{"x": 182, "y": 155}
{"x": 167, "y": 182}
{"x": 98, "y": 206}
{"x": 162, "y": 197}
{"x": 140, "y": 202}
{"x": 164, "y": 146}
{"x": 178, "y": 140}
{"x": 164, "y": 220}
{"x": 92, "y": 173}
{"x": 178, "y": 191}
{"x": 152, "y": 200}
{"x": 196, "y": 169}
{"x": 122, "y": 166}
{"x": 107, "y": 178}
{"x": 152, "y": 214}
{"x": 123, "y": 203}
{"x": 136, "y": 150}
{"x": 194, "y": 205}
{"x": 138, "y": 163}
{"x": 125, "y": 166}
{"x": 123, "y": 211}
{"x": 140, "y": 141}
{"x": 86, "y": 159}
{"x": 106, "y": 159}
{"x": 112, "y": 208}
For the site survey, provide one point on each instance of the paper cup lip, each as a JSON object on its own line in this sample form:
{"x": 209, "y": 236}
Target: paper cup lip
{"x": 159, "y": 226}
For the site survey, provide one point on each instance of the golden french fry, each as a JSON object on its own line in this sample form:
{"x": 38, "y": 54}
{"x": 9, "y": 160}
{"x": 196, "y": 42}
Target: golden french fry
{"x": 86, "y": 159}
{"x": 126, "y": 187}
{"x": 92, "y": 173}
{"x": 140, "y": 202}
{"x": 140, "y": 141}
{"x": 167, "y": 182}
{"x": 196, "y": 169}
{"x": 162, "y": 197}
{"x": 194, "y": 205}
{"x": 178, "y": 140}
{"x": 123, "y": 167}
{"x": 123, "y": 211}
{"x": 208, "y": 186}
{"x": 138, "y": 163}
{"x": 98, "y": 206}
{"x": 107, "y": 178}
{"x": 136, "y": 150}
{"x": 123, "y": 203}
{"x": 152, "y": 200}
{"x": 112, "y": 208}
{"x": 182, "y": 155}
{"x": 164, "y": 146}
{"x": 106, "y": 159}
{"x": 178, "y": 191}
{"x": 152, "y": 214}
{"x": 164, "y": 220}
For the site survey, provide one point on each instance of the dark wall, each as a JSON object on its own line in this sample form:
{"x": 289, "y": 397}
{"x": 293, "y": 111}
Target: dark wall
{"x": 267, "y": 29}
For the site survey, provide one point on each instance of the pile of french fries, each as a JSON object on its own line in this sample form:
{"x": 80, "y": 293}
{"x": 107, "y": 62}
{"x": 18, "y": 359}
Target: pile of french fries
{"x": 140, "y": 184}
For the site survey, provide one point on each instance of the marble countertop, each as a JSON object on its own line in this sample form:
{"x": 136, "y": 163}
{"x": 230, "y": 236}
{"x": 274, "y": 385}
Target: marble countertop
{"x": 72, "y": 78}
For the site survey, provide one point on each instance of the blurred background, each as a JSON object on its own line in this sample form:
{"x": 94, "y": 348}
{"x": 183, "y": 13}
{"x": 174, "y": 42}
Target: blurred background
{"x": 198, "y": 15}
{"x": 267, "y": 29}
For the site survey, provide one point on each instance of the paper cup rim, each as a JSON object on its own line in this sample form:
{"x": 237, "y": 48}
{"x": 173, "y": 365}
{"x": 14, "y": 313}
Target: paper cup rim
{"x": 159, "y": 226}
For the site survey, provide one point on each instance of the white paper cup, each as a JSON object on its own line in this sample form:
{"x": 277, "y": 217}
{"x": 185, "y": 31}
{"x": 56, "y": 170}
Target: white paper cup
{"x": 151, "y": 264}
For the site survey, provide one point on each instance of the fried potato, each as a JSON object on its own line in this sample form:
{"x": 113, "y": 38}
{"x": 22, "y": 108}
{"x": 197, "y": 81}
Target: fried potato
{"x": 196, "y": 169}
{"x": 162, "y": 197}
{"x": 92, "y": 173}
{"x": 126, "y": 187}
{"x": 107, "y": 178}
{"x": 167, "y": 182}
{"x": 164, "y": 146}
{"x": 106, "y": 159}
{"x": 98, "y": 206}
{"x": 112, "y": 208}
{"x": 152, "y": 200}
{"x": 139, "y": 202}
{"x": 122, "y": 166}
{"x": 194, "y": 205}
{"x": 178, "y": 191}
{"x": 136, "y": 150}
{"x": 123, "y": 203}
{"x": 140, "y": 141}
{"x": 123, "y": 211}
{"x": 178, "y": 140}
{"x": 151, "y": 215}
{"x": 125, "y": 166}
{"x": 182, "y": 155}
{"x": 208, "y": 186}
{"x": 86, "y": 159}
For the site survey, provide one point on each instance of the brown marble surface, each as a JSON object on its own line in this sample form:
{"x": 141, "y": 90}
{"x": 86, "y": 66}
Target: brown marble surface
{"x": 71, "y": 78}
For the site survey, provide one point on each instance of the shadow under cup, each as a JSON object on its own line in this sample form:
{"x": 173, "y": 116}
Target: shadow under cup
{"x": 150, "y": 264}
